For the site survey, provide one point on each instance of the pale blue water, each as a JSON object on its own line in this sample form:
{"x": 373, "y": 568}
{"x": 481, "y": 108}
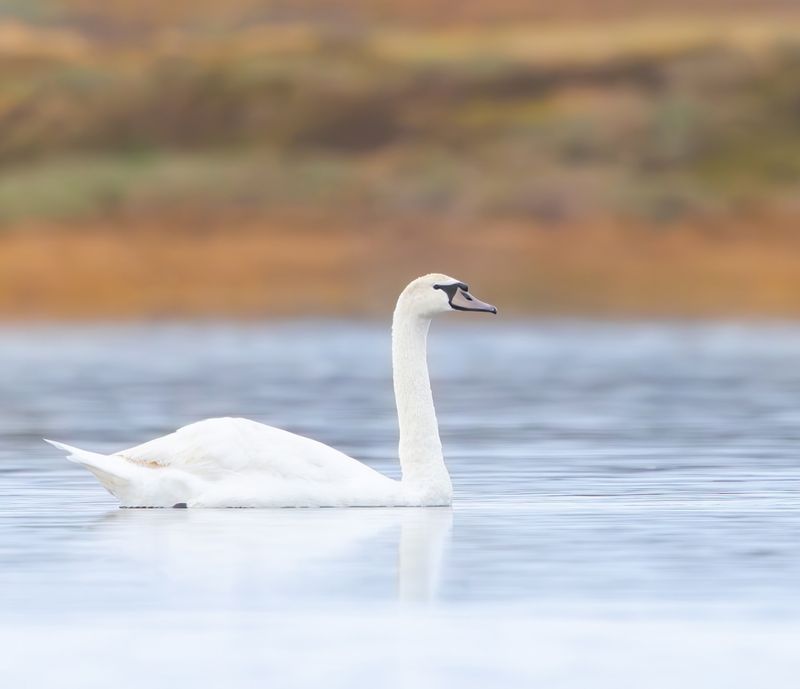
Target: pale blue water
{"x": 627, "y": 511}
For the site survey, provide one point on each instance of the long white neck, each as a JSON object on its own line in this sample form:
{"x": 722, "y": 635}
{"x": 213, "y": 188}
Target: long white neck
{"x": 421, "y": 460}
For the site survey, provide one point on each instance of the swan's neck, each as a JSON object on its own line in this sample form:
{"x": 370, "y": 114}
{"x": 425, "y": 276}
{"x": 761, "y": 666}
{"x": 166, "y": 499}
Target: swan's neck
{"x": 421, "y": 459}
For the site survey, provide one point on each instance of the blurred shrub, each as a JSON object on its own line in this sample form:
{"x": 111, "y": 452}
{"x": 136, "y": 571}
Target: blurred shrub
{"x": 469, "y": 124}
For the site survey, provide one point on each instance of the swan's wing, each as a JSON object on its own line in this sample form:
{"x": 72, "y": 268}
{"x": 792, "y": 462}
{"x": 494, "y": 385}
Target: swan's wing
{"x": 215, "y": 447}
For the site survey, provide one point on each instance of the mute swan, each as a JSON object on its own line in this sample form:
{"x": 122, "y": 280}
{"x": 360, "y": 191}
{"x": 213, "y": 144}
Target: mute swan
{"x": 241, "y": 463}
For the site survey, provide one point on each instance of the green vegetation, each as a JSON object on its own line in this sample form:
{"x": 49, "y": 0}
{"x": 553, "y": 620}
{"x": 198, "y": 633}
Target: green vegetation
{"x": 156, "y": 161}
{"x": 516, "y": 123}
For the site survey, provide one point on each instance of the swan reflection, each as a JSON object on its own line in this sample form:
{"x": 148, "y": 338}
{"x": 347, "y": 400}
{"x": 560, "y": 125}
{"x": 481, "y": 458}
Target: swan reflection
{"x": 283, "y": 552}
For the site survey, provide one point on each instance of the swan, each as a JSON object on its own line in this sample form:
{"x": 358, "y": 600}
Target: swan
{"x": 232, "y": 462}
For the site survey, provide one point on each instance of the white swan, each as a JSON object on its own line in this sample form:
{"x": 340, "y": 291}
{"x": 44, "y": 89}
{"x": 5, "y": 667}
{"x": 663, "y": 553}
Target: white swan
{"x": 240, "y": 463}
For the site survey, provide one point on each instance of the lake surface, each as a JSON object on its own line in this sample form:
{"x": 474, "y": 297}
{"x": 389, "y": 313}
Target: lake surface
{"x": 627, "y": 511}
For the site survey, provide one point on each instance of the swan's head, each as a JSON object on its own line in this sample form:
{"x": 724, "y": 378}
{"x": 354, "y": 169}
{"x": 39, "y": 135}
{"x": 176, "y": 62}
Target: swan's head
{"x": 436, "y": 293}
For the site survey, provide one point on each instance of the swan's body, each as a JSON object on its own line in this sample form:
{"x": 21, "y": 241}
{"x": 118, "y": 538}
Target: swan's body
{"x": 230, "y": 462}
{"x": 237, "y": 463}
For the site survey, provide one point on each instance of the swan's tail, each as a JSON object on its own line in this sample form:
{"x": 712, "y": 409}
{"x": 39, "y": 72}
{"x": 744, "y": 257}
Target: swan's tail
{"x": 112, "y": 472}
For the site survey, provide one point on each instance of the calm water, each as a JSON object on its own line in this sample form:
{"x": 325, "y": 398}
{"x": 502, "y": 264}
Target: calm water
{"x": 627, "y": 511}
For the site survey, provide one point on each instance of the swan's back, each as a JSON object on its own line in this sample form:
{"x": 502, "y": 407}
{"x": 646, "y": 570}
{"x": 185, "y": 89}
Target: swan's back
{"x": 217, "y": 448}
{"x": 230, "y": 462}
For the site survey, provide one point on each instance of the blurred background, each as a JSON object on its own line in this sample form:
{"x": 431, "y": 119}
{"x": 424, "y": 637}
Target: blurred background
{"x": 211, "y": 206}
{"x": 308, "y": 157}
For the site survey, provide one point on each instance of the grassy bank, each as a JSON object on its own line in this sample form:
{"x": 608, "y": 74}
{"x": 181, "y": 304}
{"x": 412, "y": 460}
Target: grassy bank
{"x": 657, "y": 120}
{"x": 622, "y": 167}
{"x": 309, "y": 266}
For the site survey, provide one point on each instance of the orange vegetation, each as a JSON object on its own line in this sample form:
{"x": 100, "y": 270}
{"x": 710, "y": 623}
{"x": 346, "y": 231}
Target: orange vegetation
{"x": 296, "y": 267}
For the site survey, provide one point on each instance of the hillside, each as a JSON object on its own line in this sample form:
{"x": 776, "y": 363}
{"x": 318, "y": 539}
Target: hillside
{"x": 648, "y": 155}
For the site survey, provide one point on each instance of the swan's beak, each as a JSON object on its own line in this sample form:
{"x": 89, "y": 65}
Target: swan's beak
{"x": 464, "y": 301}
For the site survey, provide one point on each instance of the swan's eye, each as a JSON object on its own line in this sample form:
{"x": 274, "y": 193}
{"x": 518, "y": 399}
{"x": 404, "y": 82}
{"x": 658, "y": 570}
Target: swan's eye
{"x": 452, "y": 290}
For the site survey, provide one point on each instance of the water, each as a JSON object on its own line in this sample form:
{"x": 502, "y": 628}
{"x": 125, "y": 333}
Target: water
{"x": 626, "y": 511}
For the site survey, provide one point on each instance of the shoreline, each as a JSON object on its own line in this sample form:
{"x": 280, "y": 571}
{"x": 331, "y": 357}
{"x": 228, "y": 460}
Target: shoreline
{"x": 298, "y": 268}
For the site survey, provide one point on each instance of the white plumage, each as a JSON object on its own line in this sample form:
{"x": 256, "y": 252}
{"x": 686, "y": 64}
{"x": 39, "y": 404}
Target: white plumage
{"x": 230, "y": 462}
